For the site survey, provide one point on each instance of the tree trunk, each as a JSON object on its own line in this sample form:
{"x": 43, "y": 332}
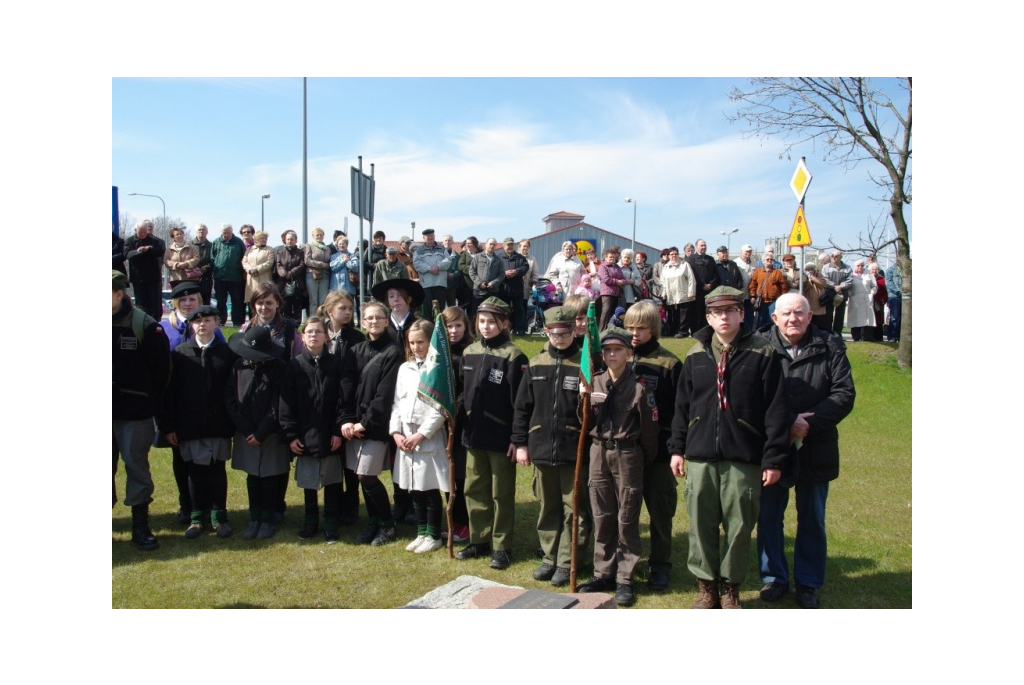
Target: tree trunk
{"x": 904, "y": 354}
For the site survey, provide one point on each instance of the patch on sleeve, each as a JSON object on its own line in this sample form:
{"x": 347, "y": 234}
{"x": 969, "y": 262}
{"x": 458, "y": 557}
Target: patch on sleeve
{"x": 129, "y": 342}
{"x": 649, "y": 382}
{"x": 652, "y": 404}
{"x": 496, "y": 375}
{"x": 571, "y": 383}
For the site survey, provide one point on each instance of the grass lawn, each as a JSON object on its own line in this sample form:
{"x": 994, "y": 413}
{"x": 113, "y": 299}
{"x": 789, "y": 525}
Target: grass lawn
{"x": 869, "y": 524}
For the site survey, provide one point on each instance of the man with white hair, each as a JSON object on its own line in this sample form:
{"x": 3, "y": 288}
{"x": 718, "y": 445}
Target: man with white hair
{"x": 144, "y": 254}
{"x": 840, "y": 276}
{"x": 820, "y": 393}
{"x": 227, "y": 251}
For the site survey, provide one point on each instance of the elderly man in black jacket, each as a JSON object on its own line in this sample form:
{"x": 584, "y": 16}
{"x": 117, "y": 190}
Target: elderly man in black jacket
{"x": 820, "y": 394}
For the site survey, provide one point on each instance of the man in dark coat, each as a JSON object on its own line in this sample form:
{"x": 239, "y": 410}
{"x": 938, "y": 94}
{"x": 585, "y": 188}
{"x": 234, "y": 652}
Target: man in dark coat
{"x": 706, "y": 274}
{"x": 144, "y": 253}
{"x": 820, "y": 394}
{"x": 728, "y": 272}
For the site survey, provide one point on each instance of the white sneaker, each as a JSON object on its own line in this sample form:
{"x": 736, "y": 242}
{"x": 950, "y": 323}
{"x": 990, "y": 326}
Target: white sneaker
{"x": 411, "y": 547}
{"x": 429, "y": 545}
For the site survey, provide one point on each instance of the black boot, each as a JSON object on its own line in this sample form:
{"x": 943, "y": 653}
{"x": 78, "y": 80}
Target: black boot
{"x": 142, "y": 536}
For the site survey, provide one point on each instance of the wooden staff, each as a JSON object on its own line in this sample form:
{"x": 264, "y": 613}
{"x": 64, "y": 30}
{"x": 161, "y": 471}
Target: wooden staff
{"x": 584, "y": 429}
{"x": 451, "y": 488}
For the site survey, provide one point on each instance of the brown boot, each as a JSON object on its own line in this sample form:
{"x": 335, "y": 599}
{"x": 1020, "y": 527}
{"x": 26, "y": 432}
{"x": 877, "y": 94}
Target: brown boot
{"x": 731, "y": 595}
{"x": 708, "y": 597}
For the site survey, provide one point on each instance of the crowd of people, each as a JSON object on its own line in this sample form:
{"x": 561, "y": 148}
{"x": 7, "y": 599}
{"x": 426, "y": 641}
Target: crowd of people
{"x": 748, "y": 414}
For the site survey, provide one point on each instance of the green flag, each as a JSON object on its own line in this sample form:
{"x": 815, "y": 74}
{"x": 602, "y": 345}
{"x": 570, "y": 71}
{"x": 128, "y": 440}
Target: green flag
{"x": 590, "y": 345}
{"x": 437, "y": 384}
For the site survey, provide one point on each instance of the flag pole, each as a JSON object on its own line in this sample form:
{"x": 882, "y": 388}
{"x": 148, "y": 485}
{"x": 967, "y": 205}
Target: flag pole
{"x": 587, "y": 373}
{"x": 450, "y": 507}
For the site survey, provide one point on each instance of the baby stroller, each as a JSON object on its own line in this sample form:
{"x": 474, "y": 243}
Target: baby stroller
{"x": 544, "y": 296}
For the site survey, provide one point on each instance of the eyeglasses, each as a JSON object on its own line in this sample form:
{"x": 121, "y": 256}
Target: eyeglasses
{"x": 560, "y": 335}
{"x": 375, "y": 318}
{"x": 247, "y": 233}
{"x": 723, "y": 311}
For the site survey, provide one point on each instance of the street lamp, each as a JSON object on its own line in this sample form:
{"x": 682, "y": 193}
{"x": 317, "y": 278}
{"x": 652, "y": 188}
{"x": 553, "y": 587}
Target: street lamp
{"x": 728, "y": 238}
{"x": 262, "y": 203}
{"x": 161, "y": 203}
{"x": 633, "y": 202}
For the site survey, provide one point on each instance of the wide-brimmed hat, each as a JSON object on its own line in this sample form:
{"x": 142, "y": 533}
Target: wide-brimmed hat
{"x": 256, "y": 344}
{"x": 415, "y": 290}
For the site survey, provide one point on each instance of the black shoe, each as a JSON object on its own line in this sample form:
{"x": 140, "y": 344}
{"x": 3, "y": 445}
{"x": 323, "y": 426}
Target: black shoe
{"x": 309, "y": 530}
{"x": 330, "y": 536}
{"x": 473, "y": 550}
{"x": 807, "y": 597}
{"x": 544, "y": 571}
{"x": 773, "y": 592}
{"x": 658, "y": 580}
{"x": 624, "y": 595}
{"x": 501, "y": 559}
{"x": 597, "y": 585}
{"x": 368, "y": 534}
{"x": 560, "y": 577}
{"x": 143, "y": 539}
{"x": 184, "y": 517}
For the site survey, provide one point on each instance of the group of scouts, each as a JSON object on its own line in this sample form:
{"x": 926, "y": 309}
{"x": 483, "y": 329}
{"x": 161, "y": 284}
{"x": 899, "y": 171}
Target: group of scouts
{"x": 343, "y": 406}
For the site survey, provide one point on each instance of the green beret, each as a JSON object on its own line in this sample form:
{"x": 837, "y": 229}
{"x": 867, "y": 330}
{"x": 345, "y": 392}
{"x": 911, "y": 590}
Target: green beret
{"x": 723, "y": 294}
{"x": 560, "y": 317}
{"x": 495, "y": 306}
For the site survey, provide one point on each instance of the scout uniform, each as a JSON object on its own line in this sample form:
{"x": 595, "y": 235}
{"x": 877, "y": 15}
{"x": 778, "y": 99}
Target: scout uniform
{"x": 624, "y": 438}
{"x": 492, "y": 369}
{"x": 546, "y": 422}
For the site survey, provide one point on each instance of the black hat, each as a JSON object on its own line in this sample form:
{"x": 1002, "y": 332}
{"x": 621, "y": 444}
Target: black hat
{"x": 185, "y": 288}
{"x": 428, "y": 231}
{"x": 391, "y": 249}
{"x": 203, "y": 310}
{"x": 415, "y": 290}
{"x": 256, "y": 344}
{"x": 723, "y": 248}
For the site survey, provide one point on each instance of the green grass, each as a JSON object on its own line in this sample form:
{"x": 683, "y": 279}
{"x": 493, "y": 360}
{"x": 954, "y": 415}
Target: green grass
{"x": 869, "y": 522}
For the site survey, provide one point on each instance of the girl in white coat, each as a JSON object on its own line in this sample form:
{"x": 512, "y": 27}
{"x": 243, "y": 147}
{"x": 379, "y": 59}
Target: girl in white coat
{"x": 417, "y": 428}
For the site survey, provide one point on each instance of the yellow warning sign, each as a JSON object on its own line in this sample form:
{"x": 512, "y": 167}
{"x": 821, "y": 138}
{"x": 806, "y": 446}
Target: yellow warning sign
{"x": 800, "y": 235}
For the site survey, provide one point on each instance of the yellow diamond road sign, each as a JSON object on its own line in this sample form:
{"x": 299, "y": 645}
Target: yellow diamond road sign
{"x": 801, "y": 179}
{"x": 800, "y": 235}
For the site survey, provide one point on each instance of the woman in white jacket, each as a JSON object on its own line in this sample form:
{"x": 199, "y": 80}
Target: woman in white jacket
{"x": 421, "y": 465}
{"x": 679, "y": 288}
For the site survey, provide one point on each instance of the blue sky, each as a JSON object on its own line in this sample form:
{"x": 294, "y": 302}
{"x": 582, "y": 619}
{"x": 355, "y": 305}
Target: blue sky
{"x": 472, "y": 156}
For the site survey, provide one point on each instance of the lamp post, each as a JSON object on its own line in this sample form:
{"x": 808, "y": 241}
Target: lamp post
{"x": 263, "y": 200}
{"x": 633, "y": 202}
{"x": 728, "y": 239}
{"x": 162, "y": 203}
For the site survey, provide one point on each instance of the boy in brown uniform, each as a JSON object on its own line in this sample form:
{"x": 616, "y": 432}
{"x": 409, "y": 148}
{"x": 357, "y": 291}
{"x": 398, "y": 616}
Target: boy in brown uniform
{"x": 624, "y": 438}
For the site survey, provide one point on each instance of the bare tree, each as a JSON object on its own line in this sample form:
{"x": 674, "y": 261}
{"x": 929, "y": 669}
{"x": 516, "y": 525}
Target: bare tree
{"x": 853, "y": 121}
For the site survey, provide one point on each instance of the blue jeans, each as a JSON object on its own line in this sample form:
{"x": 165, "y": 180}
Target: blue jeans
{"x": 895, "y": 310}
{"x": 811, "y": 547}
